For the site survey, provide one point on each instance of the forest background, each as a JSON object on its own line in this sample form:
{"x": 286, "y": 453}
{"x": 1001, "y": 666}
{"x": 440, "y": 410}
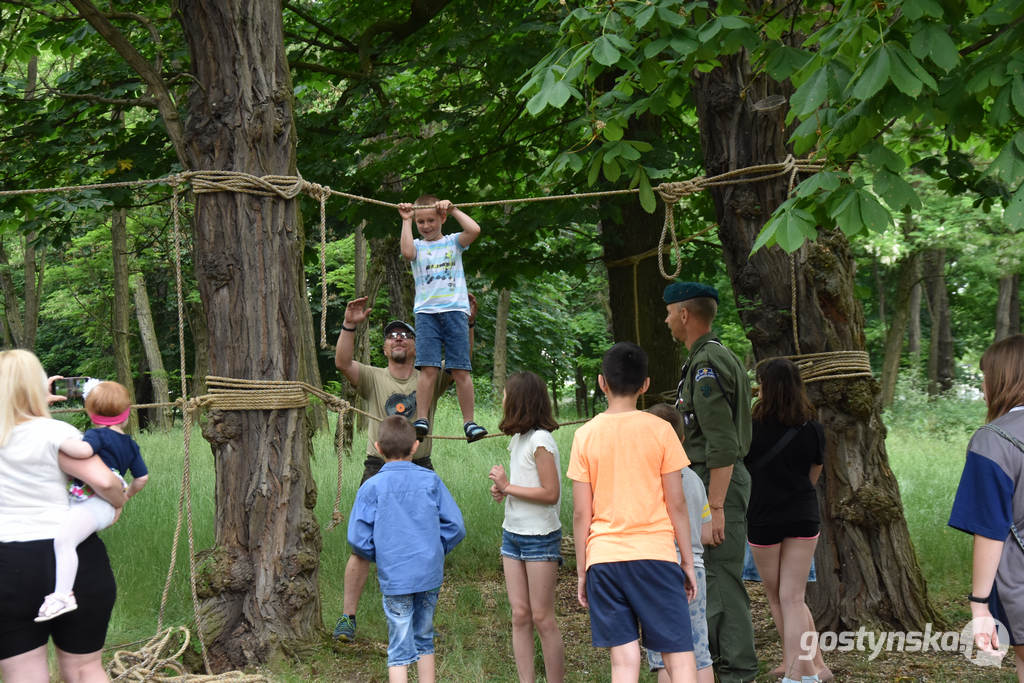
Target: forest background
{"x": 915, "y": 107}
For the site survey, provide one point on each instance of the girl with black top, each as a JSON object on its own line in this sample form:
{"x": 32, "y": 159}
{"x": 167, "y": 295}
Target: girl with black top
{"x": 785, "y": 459}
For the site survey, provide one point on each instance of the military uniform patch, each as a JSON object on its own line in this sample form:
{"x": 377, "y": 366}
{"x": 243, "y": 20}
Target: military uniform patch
{"x": 706, "y": 390}
{"x": 704, "y": 373}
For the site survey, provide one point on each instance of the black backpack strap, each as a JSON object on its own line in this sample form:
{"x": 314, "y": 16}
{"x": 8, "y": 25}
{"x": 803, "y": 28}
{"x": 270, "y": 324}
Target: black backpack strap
{"x": 776, "y": 449}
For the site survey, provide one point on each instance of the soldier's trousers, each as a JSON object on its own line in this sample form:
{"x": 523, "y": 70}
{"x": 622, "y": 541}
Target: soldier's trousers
{"x": 730, "y": 631}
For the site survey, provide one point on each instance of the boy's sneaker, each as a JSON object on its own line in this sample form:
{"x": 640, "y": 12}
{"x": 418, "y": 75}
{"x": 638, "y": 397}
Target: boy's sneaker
{"x": 56, "y": 604}
{"x": 474, "y": 432}
{"x": 345, "y": 629}
{"x": 422, "y": 427}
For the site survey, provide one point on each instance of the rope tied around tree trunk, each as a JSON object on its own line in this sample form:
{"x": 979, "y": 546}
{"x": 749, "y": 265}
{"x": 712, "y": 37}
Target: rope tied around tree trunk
{"x": 827, "y": 365}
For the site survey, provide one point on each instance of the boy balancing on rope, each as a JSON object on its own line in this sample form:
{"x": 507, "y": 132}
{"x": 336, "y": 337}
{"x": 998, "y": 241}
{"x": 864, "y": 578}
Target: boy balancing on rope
{"x": 109, "y": 406}
{"x": 441, "y": 306}
{"x": 405, "y": 520}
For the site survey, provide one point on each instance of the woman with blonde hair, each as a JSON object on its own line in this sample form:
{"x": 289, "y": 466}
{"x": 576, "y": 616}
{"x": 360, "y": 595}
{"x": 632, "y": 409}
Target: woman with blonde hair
{"x": 989, "y": 504}
{"x": 34, "y": 464}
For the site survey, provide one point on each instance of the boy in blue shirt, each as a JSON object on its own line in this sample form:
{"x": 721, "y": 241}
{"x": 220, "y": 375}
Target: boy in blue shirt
{"x": 441, "y": 305}
{"x": 406, "y": 521}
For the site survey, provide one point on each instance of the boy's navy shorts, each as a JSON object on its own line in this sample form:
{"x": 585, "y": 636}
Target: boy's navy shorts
{"x": 649, "y": 592}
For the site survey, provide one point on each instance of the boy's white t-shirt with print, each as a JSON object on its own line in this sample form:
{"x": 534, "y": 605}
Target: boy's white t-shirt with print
{"x": 439, "y": 276}
{"x": 526, "y": 517}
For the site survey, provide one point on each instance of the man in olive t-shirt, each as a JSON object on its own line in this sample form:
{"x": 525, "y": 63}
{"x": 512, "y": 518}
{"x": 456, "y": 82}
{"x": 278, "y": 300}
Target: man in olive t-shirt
{"x": 388, "y": 391}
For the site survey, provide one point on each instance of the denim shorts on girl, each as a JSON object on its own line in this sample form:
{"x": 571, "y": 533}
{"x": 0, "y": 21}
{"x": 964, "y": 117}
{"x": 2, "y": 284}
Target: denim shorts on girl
{"x": 546, "y": 548}
{"x": 410, "y": 626}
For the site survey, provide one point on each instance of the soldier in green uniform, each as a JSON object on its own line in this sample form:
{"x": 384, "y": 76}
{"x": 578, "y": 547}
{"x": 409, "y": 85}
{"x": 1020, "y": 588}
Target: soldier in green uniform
{"x": 714, "y": 398}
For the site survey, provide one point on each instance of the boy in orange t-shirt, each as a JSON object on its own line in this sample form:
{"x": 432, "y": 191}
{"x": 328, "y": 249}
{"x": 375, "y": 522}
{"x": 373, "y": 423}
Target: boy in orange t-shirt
{"x": 628, "y": 508}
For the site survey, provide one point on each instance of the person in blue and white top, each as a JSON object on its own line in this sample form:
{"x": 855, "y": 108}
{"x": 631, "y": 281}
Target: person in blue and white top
{"x": 532, "y": 531}
{"x": 441, "y": 305}
{"x": 989, "y": 502}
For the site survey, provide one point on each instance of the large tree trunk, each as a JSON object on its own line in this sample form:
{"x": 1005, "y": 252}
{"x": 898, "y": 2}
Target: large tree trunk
{"x": 158, "y": 417}
{"x": 867, "y": 571}
{"x": 626, "y": 231}
{"x": 898, "y": 326}
{"x": 500, "y": 374}
{"x": 259, "y": 584}
{"x": 940, "y": 354}
{"x": 121, "y": 315}
{"x": 1008, "y": 307}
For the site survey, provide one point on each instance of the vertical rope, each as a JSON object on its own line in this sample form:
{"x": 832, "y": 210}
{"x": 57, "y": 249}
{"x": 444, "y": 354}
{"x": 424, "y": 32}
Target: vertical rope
{"x": 186, "y": 488}
{"x": 636, "y": 315}
{"x": 669, "y": 226}
{"x": 324, "y": 193}
{"x": 792, "y": 260}
{"x": 177, "y": 285}
{"x": 339, "y": 451}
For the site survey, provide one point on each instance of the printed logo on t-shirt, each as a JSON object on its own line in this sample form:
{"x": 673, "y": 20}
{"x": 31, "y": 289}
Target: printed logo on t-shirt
{"x": 401, "y": 404}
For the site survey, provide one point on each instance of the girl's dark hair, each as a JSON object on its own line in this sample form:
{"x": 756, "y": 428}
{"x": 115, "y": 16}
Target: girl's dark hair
{"x": 1002, "y": 364}
{"x": 527, "y": 405}
{"x": 782, "y": 394}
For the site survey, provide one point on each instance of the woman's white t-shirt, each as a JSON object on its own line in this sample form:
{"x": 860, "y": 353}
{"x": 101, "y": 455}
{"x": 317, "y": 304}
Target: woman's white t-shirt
{"x": 526, "y": 517}
{"x": 33, "y": 490}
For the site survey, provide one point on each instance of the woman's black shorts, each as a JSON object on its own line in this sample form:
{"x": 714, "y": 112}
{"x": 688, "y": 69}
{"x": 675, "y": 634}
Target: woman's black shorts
{"x": 770, "y": 534}
{"x": 27, "y": 571}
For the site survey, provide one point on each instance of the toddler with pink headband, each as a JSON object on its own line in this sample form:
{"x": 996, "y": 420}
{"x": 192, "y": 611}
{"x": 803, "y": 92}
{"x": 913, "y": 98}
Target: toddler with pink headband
{"x": 109, "y": 407}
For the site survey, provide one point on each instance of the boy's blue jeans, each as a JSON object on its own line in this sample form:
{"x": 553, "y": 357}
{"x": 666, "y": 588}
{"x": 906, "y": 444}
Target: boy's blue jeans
{"x": 410, "y": 626}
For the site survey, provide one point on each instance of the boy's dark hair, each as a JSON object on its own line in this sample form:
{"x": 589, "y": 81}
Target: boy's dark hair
{"x": 527, "y": 405}
{"x": 670, "y": 415}
{"x": 395, "y": 437}
{"x": 624, "y": 367}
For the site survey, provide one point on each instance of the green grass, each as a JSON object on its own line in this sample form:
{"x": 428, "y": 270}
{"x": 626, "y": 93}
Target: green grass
{"x": 926, "y": 444}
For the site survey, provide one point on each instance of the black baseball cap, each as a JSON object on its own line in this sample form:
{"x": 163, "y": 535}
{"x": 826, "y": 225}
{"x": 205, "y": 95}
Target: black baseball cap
{"x": 399, "y": 325}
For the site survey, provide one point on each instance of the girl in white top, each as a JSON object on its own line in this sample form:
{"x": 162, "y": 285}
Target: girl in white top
{"x": 532, "y": 531}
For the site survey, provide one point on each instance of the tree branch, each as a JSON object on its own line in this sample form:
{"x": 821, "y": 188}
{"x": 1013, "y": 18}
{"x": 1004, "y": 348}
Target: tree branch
{"x": 988, "y": 39}
{"x": 165, "y": 103}
{"x": 147, "y": 102}
{"x": 323, "y": 28}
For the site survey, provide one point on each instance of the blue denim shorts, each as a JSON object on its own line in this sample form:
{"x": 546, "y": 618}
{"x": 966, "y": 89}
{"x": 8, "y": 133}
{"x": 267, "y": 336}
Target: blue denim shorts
{"x": 410, "y": 626}
{"x": 648, "y": 593}
{"x": 698, "y": 626}
{"x": 450, "y": 329}
{"x": 546, "y": 548}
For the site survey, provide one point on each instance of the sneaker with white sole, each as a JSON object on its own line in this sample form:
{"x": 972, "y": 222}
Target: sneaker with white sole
{"x": 56, "y": 604}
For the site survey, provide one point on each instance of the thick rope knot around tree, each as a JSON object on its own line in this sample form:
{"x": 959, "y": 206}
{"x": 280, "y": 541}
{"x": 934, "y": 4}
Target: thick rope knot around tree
{"x": 828, "y": 365}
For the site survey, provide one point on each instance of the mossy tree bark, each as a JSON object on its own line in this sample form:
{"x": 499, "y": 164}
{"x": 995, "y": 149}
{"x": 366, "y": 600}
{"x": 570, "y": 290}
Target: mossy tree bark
{"x": 259, "y": 584}
{"x": 867, "y": 571}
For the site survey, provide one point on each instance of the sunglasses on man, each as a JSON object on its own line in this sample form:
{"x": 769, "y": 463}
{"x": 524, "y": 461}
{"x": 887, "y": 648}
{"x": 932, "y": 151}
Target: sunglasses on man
{"x": 398, "y": 334}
